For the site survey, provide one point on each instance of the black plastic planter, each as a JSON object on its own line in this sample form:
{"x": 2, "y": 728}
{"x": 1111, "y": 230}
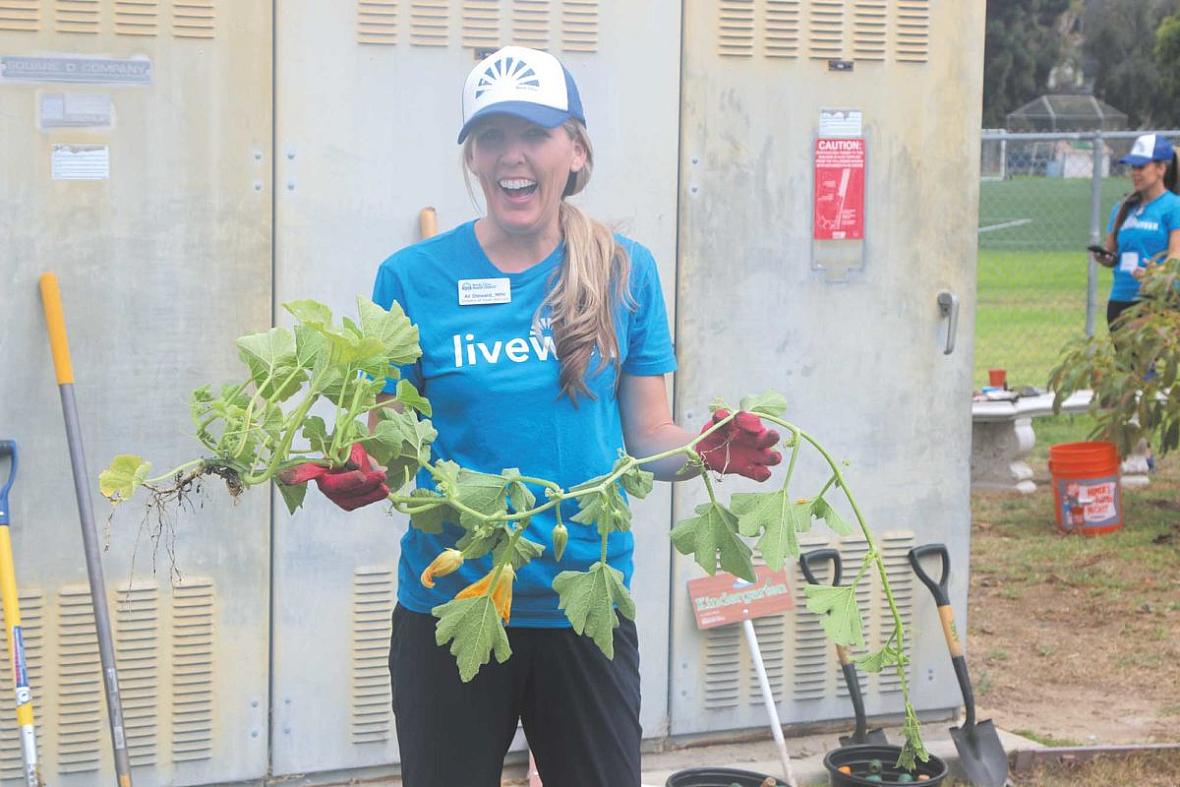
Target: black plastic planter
{"x": 859, "y": 757}
{"x": 716, "y": 777}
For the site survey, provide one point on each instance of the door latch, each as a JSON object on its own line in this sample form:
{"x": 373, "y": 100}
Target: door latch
{"x": 948, "y": 307}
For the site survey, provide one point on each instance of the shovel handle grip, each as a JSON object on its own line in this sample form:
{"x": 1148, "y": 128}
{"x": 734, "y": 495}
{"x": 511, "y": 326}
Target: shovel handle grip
{"x": 821, "y": 555}
{"x": 939, "y": 588}
{"x": 55, "y": 323}
{"x": 7, "y": 448}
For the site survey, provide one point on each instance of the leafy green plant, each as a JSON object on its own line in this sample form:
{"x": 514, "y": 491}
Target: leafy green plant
{"x": 1133, "y": 372}
{"x": 259, "y": 427}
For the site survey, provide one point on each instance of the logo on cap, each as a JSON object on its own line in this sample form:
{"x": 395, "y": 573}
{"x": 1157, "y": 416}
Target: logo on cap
{"x": 508, "y": 72}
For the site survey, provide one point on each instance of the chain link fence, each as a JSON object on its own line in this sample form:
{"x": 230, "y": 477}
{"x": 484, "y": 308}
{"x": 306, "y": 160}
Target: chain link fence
{"x": 1043, "y": 198}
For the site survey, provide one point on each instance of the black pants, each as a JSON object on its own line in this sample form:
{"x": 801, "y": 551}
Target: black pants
{"x": 580, "y": 710}
{"x": 1115, "y": 309}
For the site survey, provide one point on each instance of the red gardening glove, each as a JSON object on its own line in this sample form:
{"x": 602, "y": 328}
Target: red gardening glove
{"x": 742, "y": 446}
{"x": 359, "y": 482}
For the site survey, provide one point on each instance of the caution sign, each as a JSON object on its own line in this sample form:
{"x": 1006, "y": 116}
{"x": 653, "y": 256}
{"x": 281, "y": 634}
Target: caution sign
{"x": 839, "y": 208}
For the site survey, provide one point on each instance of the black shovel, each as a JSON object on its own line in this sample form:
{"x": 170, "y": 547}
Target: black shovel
{"x": 850, "y": 678}
{"x": 980, "y": 751}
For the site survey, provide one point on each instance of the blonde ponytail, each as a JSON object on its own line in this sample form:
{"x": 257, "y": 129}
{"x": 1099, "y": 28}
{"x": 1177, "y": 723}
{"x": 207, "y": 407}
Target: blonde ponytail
{"x": 590, "y": 284}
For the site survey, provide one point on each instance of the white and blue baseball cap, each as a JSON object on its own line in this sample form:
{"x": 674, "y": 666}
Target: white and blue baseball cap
{"x": 1148, "y": 148}
{"x": 527, "y": 83}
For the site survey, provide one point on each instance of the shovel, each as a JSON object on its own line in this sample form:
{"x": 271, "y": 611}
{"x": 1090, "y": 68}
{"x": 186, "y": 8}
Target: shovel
{"x": 980, "y": 751}
{"x": 10, "y": 600}
{"x": 860, "y": 735}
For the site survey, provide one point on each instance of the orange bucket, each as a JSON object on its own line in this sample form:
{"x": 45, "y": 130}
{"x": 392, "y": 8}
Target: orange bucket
{"x": 1087, "y": 495}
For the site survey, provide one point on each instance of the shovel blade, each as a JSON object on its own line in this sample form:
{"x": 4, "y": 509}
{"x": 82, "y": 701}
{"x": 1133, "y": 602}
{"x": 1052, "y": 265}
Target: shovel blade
{"x": 981, "y": 754}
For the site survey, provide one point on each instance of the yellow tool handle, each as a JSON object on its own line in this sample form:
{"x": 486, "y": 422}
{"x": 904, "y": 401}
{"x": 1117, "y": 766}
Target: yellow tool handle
{"x": 427, "y": 223}
{"x": 842, "y": 655}
{"x": 11, "y": 605}
{"x": 55, "y": 321}
{"x": 947, "y": 616}
{"x": 8, "y": 594}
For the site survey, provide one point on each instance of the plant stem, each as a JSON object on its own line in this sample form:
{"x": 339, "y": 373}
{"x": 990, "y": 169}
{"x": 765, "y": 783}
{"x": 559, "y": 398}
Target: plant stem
{"x": 873, "y": 551}
{"x": 174, "y": 471}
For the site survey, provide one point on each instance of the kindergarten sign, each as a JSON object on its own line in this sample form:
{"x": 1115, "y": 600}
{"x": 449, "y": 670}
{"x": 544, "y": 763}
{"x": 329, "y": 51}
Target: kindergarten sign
{"x": 724, "y": 598}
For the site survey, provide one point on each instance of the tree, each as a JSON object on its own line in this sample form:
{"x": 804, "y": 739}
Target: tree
{"x": 1120, "y": 44}
{"x": 1133, "y": 373}
{"x": 1021, "y": 46}
{"x": 1167, "y": 58}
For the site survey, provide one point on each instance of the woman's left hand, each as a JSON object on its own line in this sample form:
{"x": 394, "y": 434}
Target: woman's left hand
{"x": 743, "y": 446}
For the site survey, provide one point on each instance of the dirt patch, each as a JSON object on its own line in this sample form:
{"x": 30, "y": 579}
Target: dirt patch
{"x": 1077, "y": 640}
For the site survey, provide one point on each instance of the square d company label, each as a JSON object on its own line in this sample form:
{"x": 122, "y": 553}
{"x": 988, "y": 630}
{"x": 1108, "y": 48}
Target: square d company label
{"x": 77, "y": 70}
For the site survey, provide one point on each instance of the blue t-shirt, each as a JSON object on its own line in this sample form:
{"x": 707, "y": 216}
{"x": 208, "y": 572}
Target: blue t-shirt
{"x": 492, "y": 381}
{"x": 1144, "y": 234}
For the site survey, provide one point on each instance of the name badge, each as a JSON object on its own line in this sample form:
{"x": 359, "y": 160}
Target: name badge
{"x": 1128, "y": 261}
{"x": 476, "y": 292}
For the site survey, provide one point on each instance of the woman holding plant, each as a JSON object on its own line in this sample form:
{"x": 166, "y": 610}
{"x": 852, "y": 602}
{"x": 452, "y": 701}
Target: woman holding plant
{"x": 545, "y": 345}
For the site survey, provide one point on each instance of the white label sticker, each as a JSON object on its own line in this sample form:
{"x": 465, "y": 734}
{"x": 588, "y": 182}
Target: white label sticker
{"x": 475, "y": 292}
{"x": 1128, "y": 261}
{"x": 81, "y": 162}
{"x": 840, "y": 123}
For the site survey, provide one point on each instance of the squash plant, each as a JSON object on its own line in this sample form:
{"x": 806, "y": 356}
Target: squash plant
{"x": 1133, "y": 372}
{"x": 254, "y": 429}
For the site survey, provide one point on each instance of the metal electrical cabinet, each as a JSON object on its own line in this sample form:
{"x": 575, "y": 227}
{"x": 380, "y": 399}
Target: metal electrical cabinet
{"x": 136, "y": 164}
{"x": 861, "y": 357}
{"x": 367, "y": 111}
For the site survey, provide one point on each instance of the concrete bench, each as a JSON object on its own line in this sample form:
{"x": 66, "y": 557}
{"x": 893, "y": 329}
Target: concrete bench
{"x": 1002, "y": 437}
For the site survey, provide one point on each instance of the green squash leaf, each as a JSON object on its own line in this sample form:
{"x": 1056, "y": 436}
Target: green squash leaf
{"x": 397, "y": 335}
{"x": 839, "y": 614}
{"x": 475, "y": 630}
{"x": 637, "y": 481}
{"x": 769, "y": 403}
{"x": 913, "y": 749}
{"x": 401, "y": 444}
{"x": 408, "y": 395}
{"x": 821, "y": 509}
{"x": 431, "y": 521}
{"x": 519, "y": 494}
{"x": 311, "y": 313}
{"x": 778, "y": 520}
{"x": 293, "y": 495}
{"x": 879, "y": 659}
{"x": 124, "y": 475}
{"x": 606, "y": 509}
{"x": 315, "y": 431}
{"x": 523, "y": 551}
{"x": 712, "y": 537}
{"x": 481, "y": 492}
{"x": 480, "y": 540}
{"x": 589, "y": 599}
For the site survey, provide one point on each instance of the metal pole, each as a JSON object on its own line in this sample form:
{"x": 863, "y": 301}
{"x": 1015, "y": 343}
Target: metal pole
{"x": 776, "y": 726}
{"x": 1095, "y": 232}
{"x": 59, "y": 344}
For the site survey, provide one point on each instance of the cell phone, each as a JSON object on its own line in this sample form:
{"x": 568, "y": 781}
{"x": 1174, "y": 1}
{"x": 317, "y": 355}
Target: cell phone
{"x": 1100, "y": 251}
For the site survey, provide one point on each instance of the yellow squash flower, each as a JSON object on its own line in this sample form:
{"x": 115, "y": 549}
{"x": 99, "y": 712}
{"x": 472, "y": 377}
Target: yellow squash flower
{"x": 501, "y": 594}
{"x": 447, "y": 562}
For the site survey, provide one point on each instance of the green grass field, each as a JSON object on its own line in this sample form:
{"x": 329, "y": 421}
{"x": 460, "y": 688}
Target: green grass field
{"x": 1032, "y": 274}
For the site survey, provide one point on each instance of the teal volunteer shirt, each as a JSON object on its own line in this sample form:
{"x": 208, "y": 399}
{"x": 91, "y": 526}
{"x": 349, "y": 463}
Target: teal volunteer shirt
{"x": 1144, "y": 234}
{"x": 491, "y": 375}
